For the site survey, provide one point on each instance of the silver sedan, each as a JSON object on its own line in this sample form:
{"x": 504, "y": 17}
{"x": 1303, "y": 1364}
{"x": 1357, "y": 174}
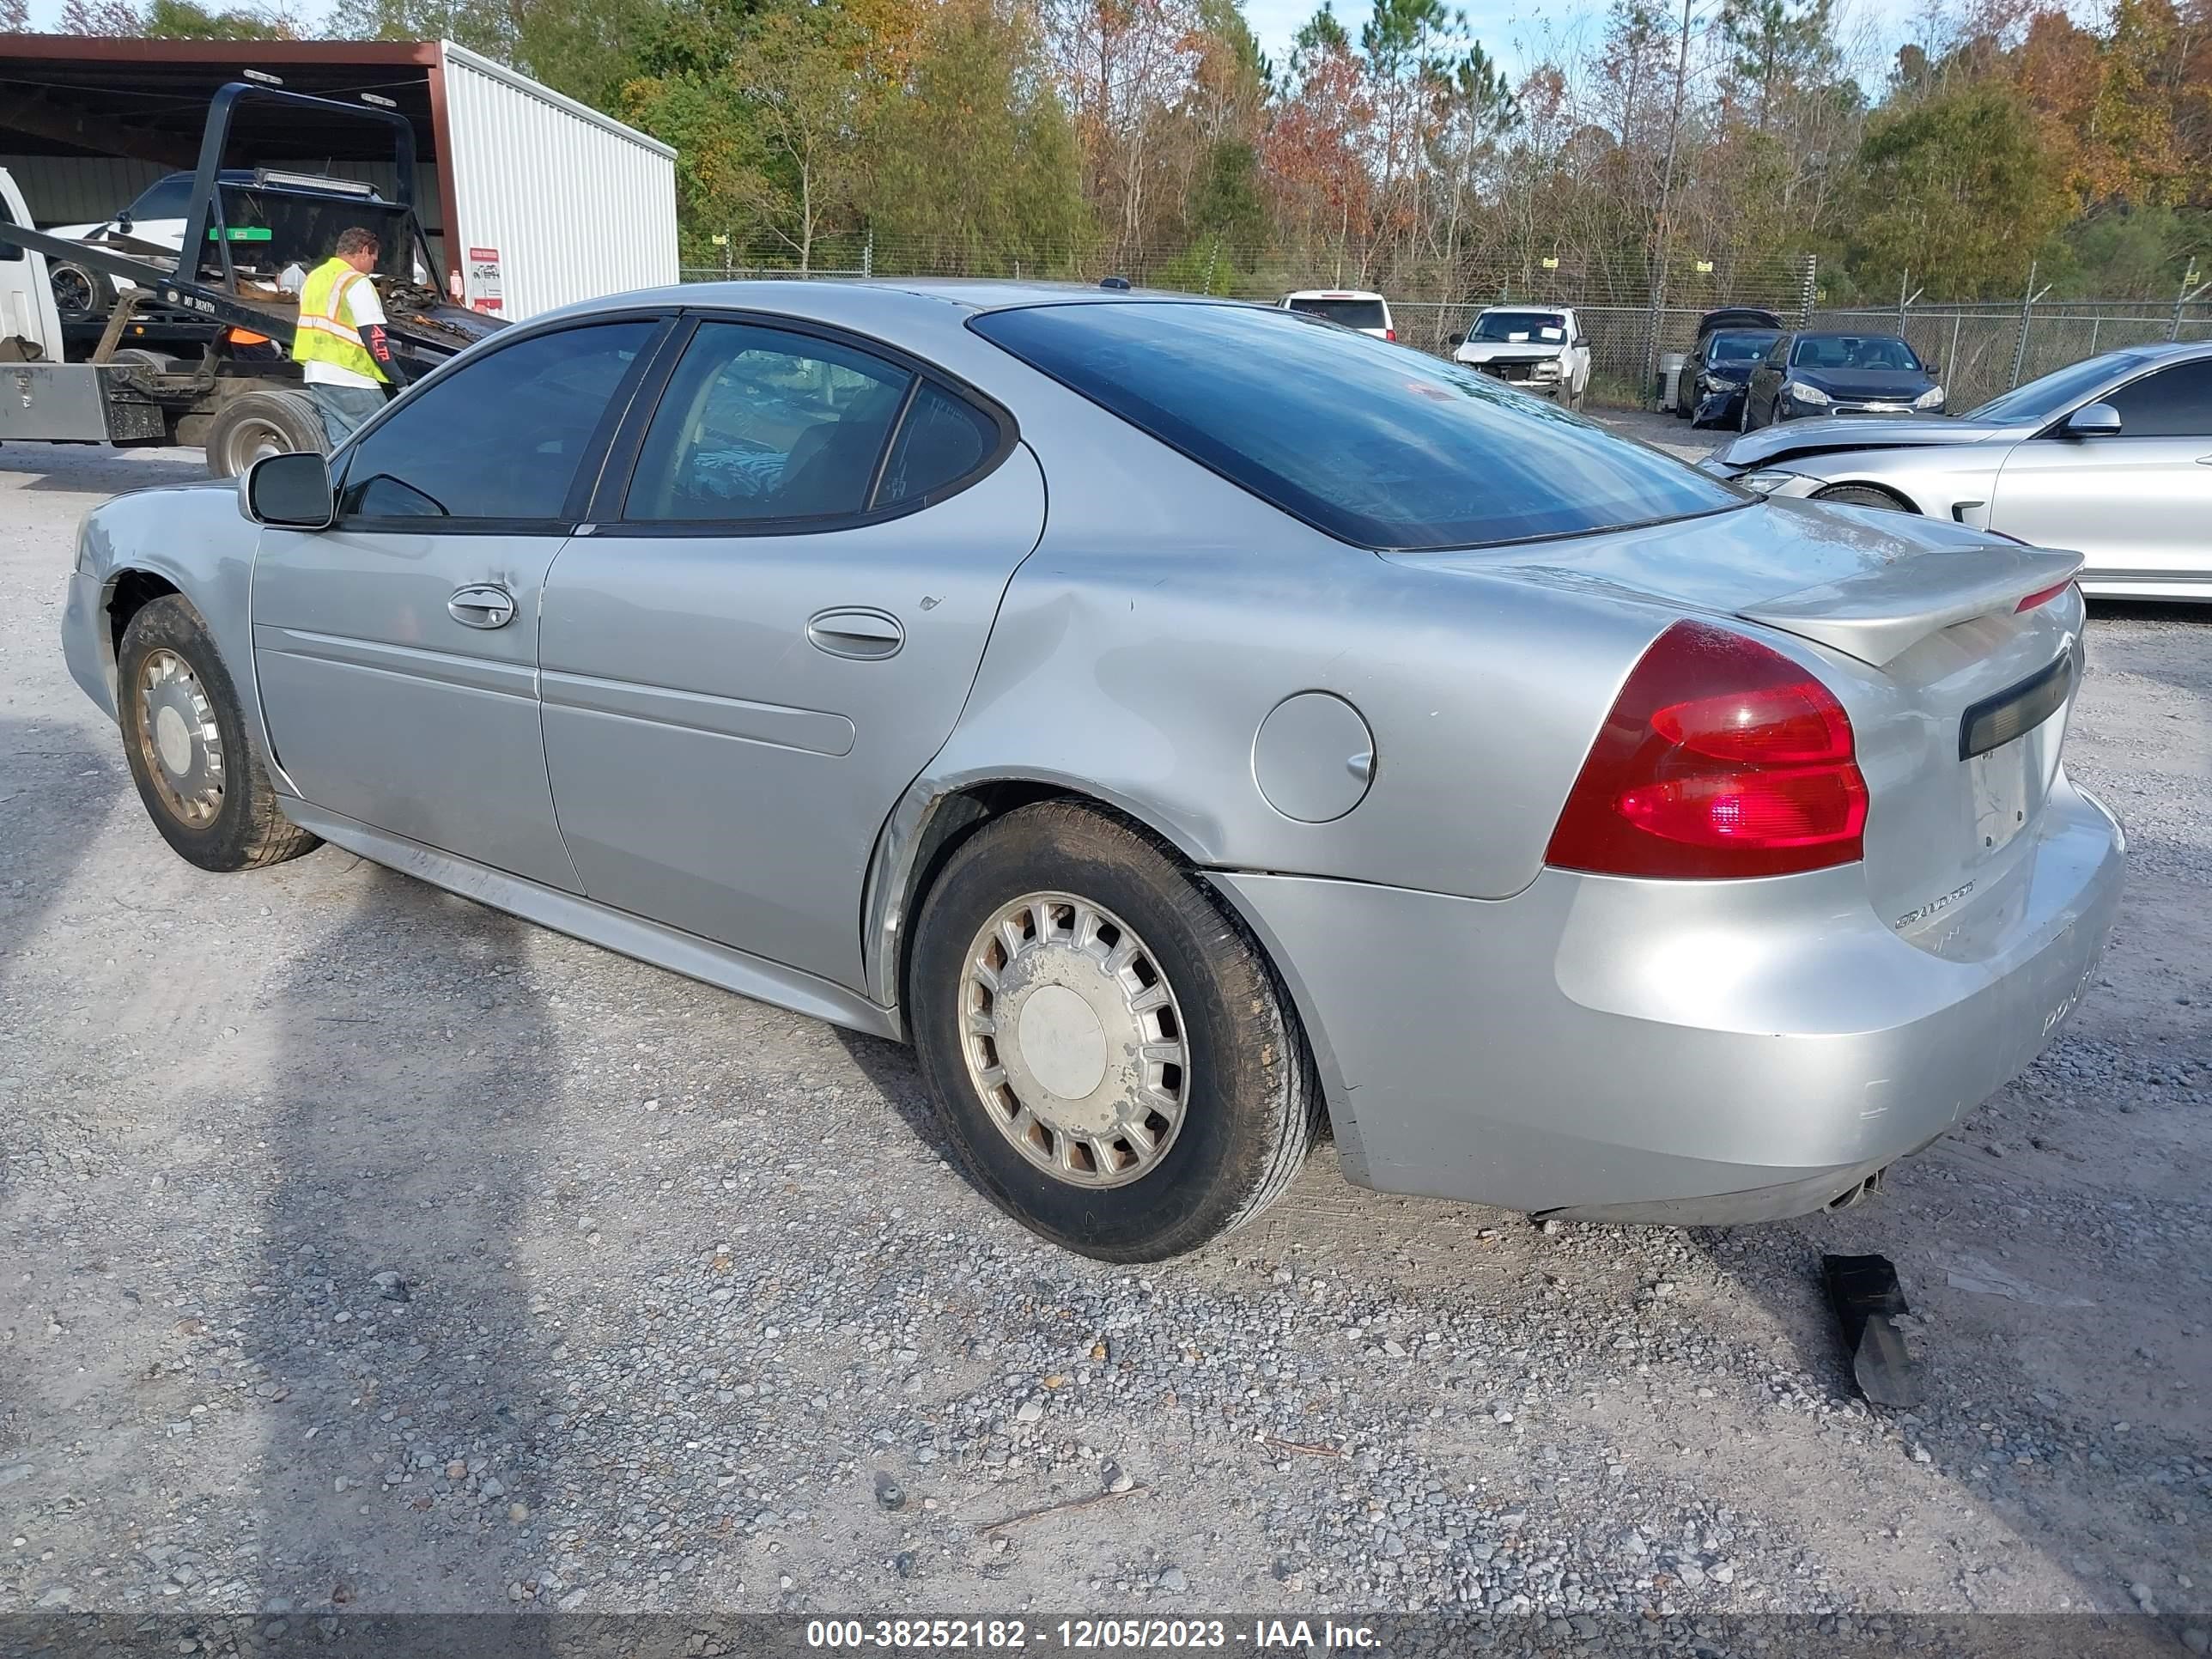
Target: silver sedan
{"x": 1189, "y": 723}
{"x": 2111, "y": 456}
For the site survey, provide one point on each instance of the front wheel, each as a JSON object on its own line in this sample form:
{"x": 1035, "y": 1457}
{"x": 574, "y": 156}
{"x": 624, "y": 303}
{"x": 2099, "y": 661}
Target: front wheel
{"x": 185, "y": 738}
{"x": 1112, "y": 1058}
{"x": 1859, "y": 495}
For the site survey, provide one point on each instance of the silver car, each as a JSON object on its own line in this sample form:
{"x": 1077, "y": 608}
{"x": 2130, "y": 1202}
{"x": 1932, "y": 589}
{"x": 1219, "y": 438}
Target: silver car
{"x": 2111, "y": 456}
{"x": 1187, "y": 724}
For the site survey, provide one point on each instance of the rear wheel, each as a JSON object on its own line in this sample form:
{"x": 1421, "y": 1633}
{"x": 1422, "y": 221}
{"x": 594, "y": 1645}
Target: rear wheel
{"x": 1112, "y": 1058}
{"x": 185, "y": 738}
{"x": 255, "y": 424}
{"x": 1859, "y": 495}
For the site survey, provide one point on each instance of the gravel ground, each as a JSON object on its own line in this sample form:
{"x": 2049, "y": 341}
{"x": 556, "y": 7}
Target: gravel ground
{"x": 365, "y": 1249}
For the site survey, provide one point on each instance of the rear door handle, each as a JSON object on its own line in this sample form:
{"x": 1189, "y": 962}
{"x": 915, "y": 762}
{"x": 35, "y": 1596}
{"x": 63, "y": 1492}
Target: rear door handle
{"x": 862, "y": 634}
{"x": 2204, "y": 460}
{"x": 486, "y": 604}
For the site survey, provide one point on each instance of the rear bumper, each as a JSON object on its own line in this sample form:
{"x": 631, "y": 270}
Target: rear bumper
{"x": 1676, "y": 1051}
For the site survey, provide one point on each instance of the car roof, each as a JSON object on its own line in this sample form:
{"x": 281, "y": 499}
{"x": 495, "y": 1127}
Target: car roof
{"x": 1331, "y": 293}
{"x": 1525, "y": 305}
{"x": 969, "y": 293}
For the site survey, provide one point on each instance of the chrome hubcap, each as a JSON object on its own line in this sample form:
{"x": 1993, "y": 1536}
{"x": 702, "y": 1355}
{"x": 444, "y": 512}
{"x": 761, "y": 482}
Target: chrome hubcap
{"x": 1073, "y": 1041}
{"x": 179, "y": 737}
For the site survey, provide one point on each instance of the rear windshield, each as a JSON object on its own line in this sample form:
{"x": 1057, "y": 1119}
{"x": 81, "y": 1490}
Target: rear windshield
{"x": 1383, "y": 449}
{"x": 1353, "y": 313}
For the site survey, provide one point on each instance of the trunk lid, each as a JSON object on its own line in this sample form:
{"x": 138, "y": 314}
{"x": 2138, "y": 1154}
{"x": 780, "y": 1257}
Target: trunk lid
{"x": 1958, "y": 698}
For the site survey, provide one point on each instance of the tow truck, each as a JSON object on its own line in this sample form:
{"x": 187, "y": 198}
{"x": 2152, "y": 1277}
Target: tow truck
{"x": 195, "y": 344}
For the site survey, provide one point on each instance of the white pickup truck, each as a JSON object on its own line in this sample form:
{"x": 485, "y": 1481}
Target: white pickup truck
{"x": 1538, "y": 348}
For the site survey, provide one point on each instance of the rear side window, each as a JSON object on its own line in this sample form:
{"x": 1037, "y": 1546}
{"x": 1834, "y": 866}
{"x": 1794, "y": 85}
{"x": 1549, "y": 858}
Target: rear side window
{"x": 2174, "y": 403}
{"x": 758, "y": 423}
{"x": 1353, "y": 313}
{"x": 1383, "y": 449}
{"x": 942, "y": 440}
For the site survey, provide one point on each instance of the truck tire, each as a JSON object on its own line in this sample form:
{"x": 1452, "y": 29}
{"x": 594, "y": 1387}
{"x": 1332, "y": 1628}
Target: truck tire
{"x": 257, "y": 423}
{"x": 185, "y": 737}
{"x": 1114, "y": 1061}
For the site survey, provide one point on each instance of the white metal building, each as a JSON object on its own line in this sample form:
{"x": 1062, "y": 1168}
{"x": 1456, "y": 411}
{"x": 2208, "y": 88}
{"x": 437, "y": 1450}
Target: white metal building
{"x": 532, "y": 199}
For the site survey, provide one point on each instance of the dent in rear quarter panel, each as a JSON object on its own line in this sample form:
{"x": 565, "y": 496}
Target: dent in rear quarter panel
{"x": 1141, "y": 669}
{"x": 1164, "y": 616}
{"x": 194, "y": 538}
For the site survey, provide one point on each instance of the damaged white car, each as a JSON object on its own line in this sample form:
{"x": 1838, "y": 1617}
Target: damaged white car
{"x": 1539, "y": 349}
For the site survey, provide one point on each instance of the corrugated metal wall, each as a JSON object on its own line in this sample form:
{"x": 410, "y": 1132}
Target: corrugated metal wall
{"x": 577, "y": 204}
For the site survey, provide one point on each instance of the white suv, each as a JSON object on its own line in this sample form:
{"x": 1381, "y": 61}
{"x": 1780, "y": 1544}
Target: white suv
{"x": 1539, "y": 349}
{"x": 1353, "y": 308}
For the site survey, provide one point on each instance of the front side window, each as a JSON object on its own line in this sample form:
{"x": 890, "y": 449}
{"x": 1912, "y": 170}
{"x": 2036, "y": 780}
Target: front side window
{"x": 497, "y": 438}
{"x": 759, "y": 423}
{"x": 2044, "y": 399}
{"x": 1383, "y": 449}
{"x": 2173, "y": 402}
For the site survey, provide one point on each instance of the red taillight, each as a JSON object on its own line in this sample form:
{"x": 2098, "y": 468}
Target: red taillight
{"x": 1390, "y": 334}
{"x": 2041, "y": 596}
{"x": 1720, "y": 758}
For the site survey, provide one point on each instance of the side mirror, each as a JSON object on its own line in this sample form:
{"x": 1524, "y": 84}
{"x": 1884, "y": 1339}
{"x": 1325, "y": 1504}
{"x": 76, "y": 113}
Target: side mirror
{"x": 290, "y": 491}
{"x": 1934, "y": 370}
{"x": 123, "y": 222}
{"x": 2093, "y": 420}
{"x": 1454, "y": 341}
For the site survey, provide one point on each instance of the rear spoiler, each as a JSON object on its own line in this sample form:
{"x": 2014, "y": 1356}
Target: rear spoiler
{"x": 1879, "y": 615}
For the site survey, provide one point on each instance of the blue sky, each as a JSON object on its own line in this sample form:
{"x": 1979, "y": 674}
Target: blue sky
{"x": 1516, "y": 32}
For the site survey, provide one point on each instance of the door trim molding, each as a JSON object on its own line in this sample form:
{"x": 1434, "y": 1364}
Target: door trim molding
{"x": 510, "y": 679}
{"x": 598, "y": 924}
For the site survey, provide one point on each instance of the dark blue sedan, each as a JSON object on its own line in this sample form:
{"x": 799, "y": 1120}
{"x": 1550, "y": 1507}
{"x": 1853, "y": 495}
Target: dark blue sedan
{"x": 1819, "y": 374}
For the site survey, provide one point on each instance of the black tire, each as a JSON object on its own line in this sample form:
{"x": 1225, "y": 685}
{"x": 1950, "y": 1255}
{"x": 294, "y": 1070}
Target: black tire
{"x": 1251, "y": 1106}
{"x": 82, "y": 294}
{"x": 157, "y": 362}
{"x": 257, "y": 423}
{"x": 1859, "y": 495}
{"x": 244, "y": 828}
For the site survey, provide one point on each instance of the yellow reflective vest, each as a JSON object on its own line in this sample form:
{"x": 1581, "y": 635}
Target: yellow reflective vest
{"x": 325, "y": 335}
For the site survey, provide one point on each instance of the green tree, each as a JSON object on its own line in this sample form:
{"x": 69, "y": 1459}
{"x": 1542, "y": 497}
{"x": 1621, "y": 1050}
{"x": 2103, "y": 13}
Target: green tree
{"x": 183, "y": 20}
{"x": 1959, "y": 190}
{"x": 1777, "y": 47}
{"x": 975, "y": 162}
{"x": 768, "y": 139}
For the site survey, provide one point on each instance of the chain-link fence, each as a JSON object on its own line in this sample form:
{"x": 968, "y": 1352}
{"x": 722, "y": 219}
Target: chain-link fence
{"x": 1980, "y": 348}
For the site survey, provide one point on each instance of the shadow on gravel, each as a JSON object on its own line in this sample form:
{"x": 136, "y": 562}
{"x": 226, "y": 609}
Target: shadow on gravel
{"x": 405, "y": 1142}
{"x": 892, "y": 1068}
{"x": 95, "y": 469}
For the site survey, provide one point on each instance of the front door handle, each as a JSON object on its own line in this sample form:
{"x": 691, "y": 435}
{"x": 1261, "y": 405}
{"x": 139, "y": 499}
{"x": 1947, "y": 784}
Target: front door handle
{"x": 487, "y": 605}
{"x": 2204, "y": 460}
{"x": 862, "y": 634}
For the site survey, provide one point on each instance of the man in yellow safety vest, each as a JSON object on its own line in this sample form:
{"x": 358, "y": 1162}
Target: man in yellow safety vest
{"x": 340, "y": 344}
